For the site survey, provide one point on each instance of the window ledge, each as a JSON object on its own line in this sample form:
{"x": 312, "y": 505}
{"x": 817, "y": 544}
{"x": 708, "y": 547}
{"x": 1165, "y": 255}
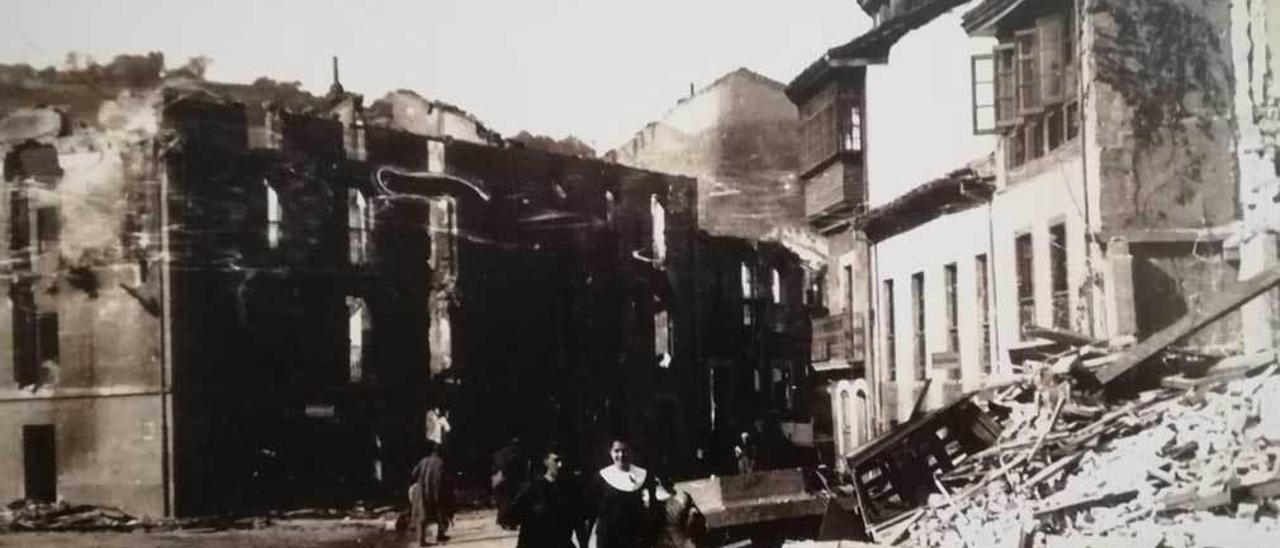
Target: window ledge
{"x": 1066, "y": 152}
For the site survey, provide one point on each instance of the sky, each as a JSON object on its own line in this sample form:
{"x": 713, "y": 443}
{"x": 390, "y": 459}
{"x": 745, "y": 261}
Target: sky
{"x": 596, "y": 69}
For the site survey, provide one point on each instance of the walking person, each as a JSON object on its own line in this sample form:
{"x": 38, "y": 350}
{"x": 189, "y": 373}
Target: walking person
{"x": 432, "y": 498}
{"x": 745, "y": 453}
{"x": 548, "y": 508}
{"x": 438, "y": 426}
{"x": 510, "y": 467}
{"x": 627, "y": 502}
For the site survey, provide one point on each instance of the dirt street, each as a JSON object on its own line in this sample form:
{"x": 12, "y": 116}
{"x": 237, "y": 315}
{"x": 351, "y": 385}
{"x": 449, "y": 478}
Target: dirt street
{"x": 471, "y": 530}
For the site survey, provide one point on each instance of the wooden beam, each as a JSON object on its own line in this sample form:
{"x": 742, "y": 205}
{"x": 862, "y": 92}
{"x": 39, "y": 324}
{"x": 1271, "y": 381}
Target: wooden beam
{"x": 1217, "y": 306}
{"x": 1060, "y": 335}
{"x": 924, "y": 393}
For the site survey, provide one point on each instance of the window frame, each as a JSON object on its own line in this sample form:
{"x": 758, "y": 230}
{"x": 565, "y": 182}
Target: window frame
{"x": 1005, "y": 92}
{"x": 951, "y": 284}
{"x": 1027, "y": 59}
{"x": 983, "y": 302}
{"x": 1049, "y": 50}
{"x": 978, "y": 107}
{"x": 274, "y": 215}
{"x": 890, "y": 329}
{"x": 919, "y": 325}
{"x": 1024, "y": 279}
{"x": 1059, "y": 282}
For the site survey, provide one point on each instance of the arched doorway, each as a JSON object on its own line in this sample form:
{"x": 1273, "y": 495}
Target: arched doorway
{"x": 851, "y": 414}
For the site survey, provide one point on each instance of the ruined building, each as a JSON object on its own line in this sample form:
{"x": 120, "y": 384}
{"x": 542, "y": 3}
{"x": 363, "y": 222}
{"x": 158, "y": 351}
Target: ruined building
{"x": 738, "y": 136}
{"x": 1123, "y": 179}
{"x": 221, "y": 304}
{"x": 754, "y": 339}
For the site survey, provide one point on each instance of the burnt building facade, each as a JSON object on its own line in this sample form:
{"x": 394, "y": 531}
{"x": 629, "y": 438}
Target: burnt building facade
{"x": 755, "y": 337}
{"x": 218, "y": 306}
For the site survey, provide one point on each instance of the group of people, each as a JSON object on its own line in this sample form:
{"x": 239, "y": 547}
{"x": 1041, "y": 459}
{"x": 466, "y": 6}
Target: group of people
{"x": 623, "y": 503}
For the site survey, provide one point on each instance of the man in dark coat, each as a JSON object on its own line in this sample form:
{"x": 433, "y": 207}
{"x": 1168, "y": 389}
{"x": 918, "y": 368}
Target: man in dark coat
{"x": 549, "y": 508}
{"x": 509, "y": 473}
{"x": 433, "y": 498}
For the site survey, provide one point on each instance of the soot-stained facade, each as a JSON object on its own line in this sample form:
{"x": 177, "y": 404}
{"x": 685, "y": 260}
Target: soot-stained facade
{"x": 336, "y": 286}
{"x": 221, "y": 305}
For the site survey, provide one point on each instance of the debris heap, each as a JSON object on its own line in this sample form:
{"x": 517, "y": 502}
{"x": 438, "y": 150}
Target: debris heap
{"x": 1194, "y": 461}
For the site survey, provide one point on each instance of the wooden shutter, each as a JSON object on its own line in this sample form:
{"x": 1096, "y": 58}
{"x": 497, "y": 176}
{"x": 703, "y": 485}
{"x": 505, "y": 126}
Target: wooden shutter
{"x": 1049, "y": 31}
{"x": 1028, "y": 62}
{"x": 1006, "y": 85}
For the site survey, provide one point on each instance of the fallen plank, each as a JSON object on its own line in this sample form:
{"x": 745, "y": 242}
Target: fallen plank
{"x": 1049, "y": 471}
{"x": 1108, "y": 499}
{"x": 1060, "y": 335}
{"x": 919, "y": 406}
{"x": 1053, "y": 419}
{"x": 1217, "y": 305}
{"x": 1227, "y": 369}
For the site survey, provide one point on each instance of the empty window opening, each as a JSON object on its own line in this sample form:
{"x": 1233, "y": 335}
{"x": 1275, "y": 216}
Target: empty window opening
{"x": 776, "y": 287}
{"x": 662, "y": 337}
{"x": 659, "y": 214}
{"x": 1026, "y": 282}
{"x": 358, "y": 327}
{"x": 443, "y": 230}
{"x": 274, "y": 215}
{"x": 1058, "y": 272}
{"x": 48, "y": 228}
{"x": 35, "y": 338}
{"x": 359, "y": 225}
{"x": 953, "y": 313}
{"x": 890, "y": 329}
{"x": 918, "y": 326}
{"x": 610, "y": 207}
{"x": 984, "y": 313}
{"x": 39, "y": 462}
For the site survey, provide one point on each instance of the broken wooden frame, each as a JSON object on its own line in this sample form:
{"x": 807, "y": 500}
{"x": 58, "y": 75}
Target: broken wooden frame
{"x": 892, "y": 475}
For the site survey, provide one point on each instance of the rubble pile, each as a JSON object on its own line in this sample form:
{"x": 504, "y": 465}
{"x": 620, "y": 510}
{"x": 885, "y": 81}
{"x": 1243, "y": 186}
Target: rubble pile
{"x": 26, "y": 515}
{"x": 1195, "y": 462}
{"x": 22, "y": 515}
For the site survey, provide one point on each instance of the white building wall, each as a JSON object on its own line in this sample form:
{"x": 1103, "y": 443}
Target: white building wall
{"x": 919, "y": 122}
{"x": 957, "y": 238}
{"x": 1034, "y": 197}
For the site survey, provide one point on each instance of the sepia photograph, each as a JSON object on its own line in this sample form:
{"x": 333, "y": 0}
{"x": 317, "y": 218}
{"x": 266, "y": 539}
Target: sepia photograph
{"x": 620, "y": 274}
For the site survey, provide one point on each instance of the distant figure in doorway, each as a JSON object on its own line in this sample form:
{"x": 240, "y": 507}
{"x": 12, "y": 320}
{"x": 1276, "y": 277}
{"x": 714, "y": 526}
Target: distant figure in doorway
{"x": 431, "y": 495}
{"x": 548, "y": 508}
{"x": 745, "y": 453}
{"x": 627, "y": 505}
{"x": 438, "y": 426}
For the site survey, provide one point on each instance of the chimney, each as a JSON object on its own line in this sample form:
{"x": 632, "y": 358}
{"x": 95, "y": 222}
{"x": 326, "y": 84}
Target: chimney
{"x": 690, "y": 89}
{"x": 336, "y": 87}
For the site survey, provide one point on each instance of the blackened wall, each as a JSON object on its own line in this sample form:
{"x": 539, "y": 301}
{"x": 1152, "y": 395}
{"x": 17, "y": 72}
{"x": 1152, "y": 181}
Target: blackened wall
{"x": 559, "y": 288}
